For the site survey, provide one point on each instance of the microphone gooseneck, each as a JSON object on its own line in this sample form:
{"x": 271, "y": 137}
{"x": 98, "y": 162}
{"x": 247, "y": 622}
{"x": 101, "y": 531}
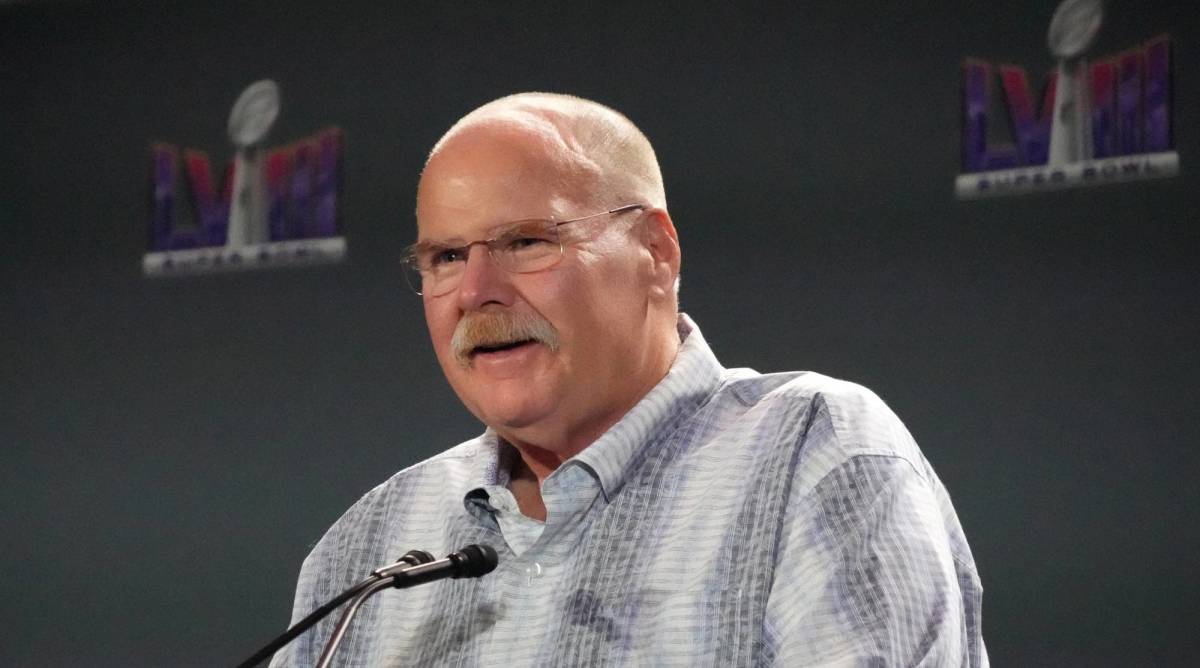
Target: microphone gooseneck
{"x": 470, "y": 562}
{"x": 410, "y": 559}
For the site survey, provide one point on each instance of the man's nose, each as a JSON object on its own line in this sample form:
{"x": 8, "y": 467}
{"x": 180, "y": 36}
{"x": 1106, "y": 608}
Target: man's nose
{"x": 483, "y": 281}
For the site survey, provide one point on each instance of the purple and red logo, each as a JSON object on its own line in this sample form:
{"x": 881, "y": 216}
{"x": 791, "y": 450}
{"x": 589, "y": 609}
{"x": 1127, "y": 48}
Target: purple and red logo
{"x": 276, "y": 207}
{"x": 1099, "y": 122}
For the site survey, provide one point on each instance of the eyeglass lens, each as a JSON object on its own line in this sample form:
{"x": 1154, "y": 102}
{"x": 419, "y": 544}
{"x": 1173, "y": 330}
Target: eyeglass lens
{"x": 519, "y": 248}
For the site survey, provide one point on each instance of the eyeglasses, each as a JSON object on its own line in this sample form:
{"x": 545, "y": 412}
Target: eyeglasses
{"x": 520, "y": 247}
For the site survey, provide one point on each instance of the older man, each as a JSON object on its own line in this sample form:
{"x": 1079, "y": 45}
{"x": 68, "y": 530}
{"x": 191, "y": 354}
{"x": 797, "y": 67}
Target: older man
{"x": 649, "y": 506}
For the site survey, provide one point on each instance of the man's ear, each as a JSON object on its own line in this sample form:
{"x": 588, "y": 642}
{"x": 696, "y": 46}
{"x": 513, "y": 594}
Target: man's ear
{"x": 661, "y": 240}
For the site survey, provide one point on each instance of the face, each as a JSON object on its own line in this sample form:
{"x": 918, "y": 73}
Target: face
{"x": 594, "y": 300}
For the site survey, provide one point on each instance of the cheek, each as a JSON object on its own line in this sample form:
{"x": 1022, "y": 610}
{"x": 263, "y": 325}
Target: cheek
{"x": 551, "y": 295}
{"x": 588, "y": 318}
{"x": 440, "y": 323}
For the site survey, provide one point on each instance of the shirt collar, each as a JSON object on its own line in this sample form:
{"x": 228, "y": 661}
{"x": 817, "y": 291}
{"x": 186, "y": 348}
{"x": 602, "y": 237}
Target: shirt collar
{"x": 693, "y": 377}
{"x": 489, "y": 470}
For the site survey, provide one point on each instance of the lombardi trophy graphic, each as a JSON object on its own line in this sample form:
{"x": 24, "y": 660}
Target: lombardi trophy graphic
{"x": 248, "y": 223}
{"x": 1072, "y": 31}
{"x": 249, "y": 122}
{"x": 1104, "y": 122}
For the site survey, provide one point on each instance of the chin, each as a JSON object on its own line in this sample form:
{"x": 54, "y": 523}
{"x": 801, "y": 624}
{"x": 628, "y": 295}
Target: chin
{"x": 510, "y": 406}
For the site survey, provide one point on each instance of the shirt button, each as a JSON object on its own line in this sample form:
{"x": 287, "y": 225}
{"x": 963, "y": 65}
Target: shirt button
{"x": 533, "y": 571}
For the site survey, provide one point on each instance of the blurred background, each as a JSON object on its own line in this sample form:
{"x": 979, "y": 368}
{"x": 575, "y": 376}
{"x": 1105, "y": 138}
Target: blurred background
{"x": 173, "y": 447}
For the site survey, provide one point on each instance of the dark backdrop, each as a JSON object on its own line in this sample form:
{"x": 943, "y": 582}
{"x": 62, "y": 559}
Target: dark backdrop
{"x": 173, "y": 448}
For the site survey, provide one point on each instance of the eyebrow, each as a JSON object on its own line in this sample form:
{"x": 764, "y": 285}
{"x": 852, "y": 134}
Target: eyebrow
{"x": 425, "y": 246}
{"x": 491, "y": 233}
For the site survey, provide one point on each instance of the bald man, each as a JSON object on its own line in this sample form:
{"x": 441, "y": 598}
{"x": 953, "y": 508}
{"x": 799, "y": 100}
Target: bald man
{"x": 649, "y": 507}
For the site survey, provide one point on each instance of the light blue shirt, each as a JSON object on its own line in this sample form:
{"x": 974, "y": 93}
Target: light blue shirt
{"x": 730, "y": 518}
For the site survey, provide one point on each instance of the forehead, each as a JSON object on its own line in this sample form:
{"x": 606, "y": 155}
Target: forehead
{"x": 488, "y": 176}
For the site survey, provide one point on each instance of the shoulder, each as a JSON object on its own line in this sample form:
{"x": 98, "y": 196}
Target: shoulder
{"x": 436, "y": 474}
{"x": 428, "y": 484}
{"x": 833, "y": 421}
{"x": 858, "y": 420}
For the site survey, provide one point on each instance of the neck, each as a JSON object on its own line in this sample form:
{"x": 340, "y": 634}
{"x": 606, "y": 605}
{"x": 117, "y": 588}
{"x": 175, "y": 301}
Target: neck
{"x": 526, "y": 487}
{"x": 535, "y": 463}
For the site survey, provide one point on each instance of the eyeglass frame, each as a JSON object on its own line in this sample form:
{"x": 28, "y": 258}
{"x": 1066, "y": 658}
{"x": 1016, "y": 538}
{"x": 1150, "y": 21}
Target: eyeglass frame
{"x": 409, "y": 257}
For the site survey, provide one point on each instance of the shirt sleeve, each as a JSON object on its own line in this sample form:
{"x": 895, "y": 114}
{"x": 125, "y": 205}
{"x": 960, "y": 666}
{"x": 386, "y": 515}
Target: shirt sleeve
{"x": 867, "y": 574}
{"x": 328, "y": 570}
{"x": 304, "y": 650}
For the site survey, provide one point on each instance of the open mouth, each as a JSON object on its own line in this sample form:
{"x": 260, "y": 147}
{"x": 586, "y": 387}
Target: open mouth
{"x": 500, "y": 347}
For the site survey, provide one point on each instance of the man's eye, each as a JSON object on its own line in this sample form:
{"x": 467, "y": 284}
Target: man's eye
{"x": 446, "y": 256}
{"x": 524, "y": 242}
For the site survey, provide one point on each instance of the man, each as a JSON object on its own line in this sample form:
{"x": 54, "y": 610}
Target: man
{"x": 649, "y": 507}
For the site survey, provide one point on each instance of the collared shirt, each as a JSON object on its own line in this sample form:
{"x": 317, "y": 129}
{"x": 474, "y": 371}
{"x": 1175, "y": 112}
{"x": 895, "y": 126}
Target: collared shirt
{"x": 729, "y": 519}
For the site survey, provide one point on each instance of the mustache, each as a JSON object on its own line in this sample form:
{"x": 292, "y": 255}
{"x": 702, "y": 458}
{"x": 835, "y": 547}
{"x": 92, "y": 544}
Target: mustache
{"x": 497, "y": 328}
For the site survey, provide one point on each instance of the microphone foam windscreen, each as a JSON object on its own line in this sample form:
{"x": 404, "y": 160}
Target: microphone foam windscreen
{"x": 478, "y": 560}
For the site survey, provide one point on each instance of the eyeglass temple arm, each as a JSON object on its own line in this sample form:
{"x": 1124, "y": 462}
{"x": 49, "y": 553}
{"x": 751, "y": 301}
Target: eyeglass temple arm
{"x": 620, "y": 209}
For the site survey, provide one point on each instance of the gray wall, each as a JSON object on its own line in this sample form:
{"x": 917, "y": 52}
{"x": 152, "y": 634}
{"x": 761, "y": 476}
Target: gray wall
{"x": 173, "y": 448}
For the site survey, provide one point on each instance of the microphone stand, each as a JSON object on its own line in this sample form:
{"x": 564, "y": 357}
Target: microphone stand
{"x": 343, "y": 624}
{"x": 471, "y": 562}
{"x": 410, "y": 558}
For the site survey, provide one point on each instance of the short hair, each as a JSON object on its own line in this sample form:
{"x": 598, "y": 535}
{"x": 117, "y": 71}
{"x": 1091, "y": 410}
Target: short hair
{"x": 592, "y": 138}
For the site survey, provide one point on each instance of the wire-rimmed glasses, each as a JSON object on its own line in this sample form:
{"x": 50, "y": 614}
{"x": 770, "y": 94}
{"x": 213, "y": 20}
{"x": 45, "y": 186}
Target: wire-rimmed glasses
{"x": 519, "y": 247}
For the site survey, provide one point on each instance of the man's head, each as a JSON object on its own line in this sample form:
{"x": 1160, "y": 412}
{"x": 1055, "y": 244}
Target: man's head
{"x": 553, "y": 357}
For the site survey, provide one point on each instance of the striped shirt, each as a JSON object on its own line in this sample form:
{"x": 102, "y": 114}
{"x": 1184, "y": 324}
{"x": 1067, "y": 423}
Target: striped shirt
{"x": 730, "y": 518}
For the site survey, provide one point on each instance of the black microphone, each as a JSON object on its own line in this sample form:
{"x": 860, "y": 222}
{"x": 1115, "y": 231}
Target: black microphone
{"x": 470, "y": 562}
{"x": 411, "y": 559}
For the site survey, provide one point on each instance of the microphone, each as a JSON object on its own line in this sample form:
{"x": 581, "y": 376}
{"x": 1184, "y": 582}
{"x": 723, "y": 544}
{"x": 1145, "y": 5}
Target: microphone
{"x": 410, "y": 559}
{"x": 470, "y": 562}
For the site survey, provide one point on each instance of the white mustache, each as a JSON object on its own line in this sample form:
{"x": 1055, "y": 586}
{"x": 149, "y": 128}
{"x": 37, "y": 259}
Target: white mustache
{"x": 496, "y": 328}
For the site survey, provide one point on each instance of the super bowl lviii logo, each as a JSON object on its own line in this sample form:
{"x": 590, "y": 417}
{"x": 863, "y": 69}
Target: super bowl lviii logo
{"x": 276, "y": 207}
{"x": 1104, "y": 121}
